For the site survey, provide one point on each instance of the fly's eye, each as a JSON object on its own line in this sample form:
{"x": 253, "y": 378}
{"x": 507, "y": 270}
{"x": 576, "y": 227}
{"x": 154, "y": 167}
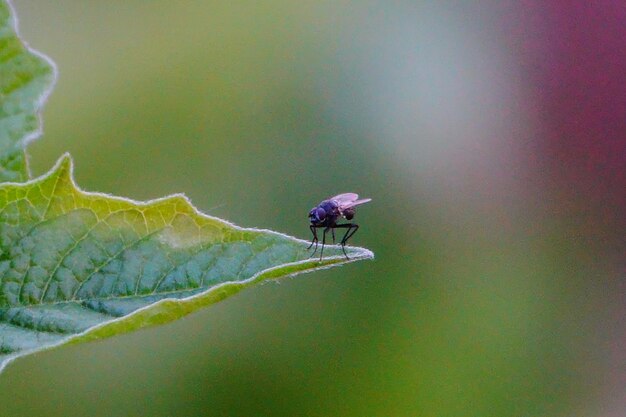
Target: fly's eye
{"x": 320, "y": 213}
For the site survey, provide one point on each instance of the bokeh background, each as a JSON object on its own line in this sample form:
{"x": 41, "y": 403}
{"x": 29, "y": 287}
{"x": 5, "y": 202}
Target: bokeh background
{"x": 491, "y": 136}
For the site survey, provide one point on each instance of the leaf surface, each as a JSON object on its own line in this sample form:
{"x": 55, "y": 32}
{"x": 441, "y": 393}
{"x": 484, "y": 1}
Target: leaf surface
{"x": 26, "y": 78}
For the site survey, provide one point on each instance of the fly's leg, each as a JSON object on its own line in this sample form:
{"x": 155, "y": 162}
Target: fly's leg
{"x": 352, "y": 228}
{"x": 323, "y": 242}
{"x": 314, "y": 231}
{"x": 351, "y": 231}
{"x": 333, "y": 233}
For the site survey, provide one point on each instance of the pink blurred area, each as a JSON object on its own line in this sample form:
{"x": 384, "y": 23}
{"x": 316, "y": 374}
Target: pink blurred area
{"x": 573, "y": 57}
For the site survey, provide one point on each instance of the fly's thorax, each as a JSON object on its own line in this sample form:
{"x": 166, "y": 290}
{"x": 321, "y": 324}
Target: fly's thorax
{"x": 330, "y": 206}
{"x": 332, "y": 211}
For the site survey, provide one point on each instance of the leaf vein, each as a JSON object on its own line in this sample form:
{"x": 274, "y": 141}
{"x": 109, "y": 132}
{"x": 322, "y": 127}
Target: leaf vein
{"x": 111, "y": 259}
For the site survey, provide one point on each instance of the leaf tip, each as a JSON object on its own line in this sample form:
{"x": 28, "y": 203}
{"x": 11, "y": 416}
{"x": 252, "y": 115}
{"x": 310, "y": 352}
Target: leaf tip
{"x": 367, "y": 254}
{"x": 362, "y": 254}
{"x": 64, "y": 166}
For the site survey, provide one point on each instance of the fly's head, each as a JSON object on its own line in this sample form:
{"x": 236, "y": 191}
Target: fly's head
{"x": 317, "y": 215}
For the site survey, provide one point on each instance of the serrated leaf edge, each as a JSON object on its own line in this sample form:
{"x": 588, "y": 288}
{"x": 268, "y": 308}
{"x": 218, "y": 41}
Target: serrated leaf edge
{"x": 41, "y": 100}
{"x": 189, "y": 304}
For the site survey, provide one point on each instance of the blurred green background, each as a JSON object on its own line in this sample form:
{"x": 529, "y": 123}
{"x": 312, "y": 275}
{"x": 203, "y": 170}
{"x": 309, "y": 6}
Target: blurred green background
{"x": 497, "y": 288}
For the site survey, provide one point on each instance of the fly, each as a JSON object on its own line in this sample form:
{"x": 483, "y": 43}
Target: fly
{"x": 326, "y": 214}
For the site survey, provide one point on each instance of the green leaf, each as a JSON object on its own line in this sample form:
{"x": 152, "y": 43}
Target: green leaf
{"x": 77, "y": 266}
{"x": 26, "y": 78}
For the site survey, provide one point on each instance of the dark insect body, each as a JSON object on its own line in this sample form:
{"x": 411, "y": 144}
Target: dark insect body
{"x": 326, "y": 214}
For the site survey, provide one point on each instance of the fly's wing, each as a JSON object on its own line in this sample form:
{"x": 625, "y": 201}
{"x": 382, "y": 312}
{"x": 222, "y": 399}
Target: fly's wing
{"x": 348, "y": 200}
{"x": 354, "y": 203}
{"x": 345, "y": 198}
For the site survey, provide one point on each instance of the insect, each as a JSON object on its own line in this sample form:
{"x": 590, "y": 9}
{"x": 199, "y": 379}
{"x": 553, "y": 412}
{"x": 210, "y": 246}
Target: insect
{"x": 326, "y": 214}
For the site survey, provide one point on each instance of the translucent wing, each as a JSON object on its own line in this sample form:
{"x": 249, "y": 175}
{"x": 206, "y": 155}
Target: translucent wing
{"x": 345, "y": 198}
{"x": 348, "y": 200}
{"x": 355, "y": 203}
